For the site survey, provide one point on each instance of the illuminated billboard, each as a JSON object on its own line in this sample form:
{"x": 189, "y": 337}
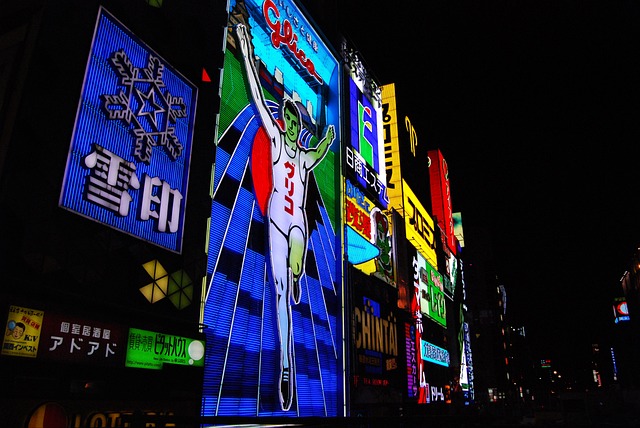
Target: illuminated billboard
{"x": 376, "y": 372}
{"x": 419, "y": 225}
{"x": 441, "y": 197}
{"x": 466, "y": 366}
{"x": 274, "y": 298}
{"x": 152, "y": 350}
{"x": 128, "y": 162}
{"x": 458, "y": 229}
{"x": 405, "y": 148}
{"x": 432, "y": 296}
{"x": 448, "y": 262}
{"x": 392, "y": 146}
{"x": 71, "y": 339}
{"x": 368, "y": 235}
{"x": 364, "y": 154}
{"x": 22, "y": 333}
{"x": 620, "y": 310}
{"x": 434, "y": 354}
{"x": 407, "y": 192}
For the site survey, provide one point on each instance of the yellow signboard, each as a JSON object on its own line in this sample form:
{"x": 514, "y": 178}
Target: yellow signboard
{"x": 419, "y": 225}
{"x": 22, "y": 334}
{"x": 391, "y": 147}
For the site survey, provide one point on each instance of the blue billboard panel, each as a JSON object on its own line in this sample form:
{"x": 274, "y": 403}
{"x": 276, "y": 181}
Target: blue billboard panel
{"x": 128, "y": 163}
{"x": 365, "y": 155}
{"x": 273, "y": 312}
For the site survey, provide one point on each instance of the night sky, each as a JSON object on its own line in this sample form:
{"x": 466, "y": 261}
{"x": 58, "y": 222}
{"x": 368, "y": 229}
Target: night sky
{"x": 535, "y": 105}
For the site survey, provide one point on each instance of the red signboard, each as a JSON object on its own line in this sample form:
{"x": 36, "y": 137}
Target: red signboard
{"x": 441, "y": 196}
{"x": 72, "y": 339}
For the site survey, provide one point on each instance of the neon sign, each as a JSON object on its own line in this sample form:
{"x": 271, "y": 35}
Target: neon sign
{"x": 435, "y": 354}
{"x": 128, "y": 163}
{"x": 283, "y": 34}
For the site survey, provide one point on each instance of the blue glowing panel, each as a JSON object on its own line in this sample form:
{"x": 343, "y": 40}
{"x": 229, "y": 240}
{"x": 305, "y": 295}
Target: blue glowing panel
{"x": 435, "y": 354}
{"x": 365, "y": 153}
{"x": 273, "y": 316}
{"x": 128, "y": 163}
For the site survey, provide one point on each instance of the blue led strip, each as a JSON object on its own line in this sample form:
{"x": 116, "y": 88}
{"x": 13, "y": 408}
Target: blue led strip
{"x": 228, "y": 168}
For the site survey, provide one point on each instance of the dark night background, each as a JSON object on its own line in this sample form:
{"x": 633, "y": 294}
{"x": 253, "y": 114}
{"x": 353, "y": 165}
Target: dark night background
{"x": 535, "y": 105}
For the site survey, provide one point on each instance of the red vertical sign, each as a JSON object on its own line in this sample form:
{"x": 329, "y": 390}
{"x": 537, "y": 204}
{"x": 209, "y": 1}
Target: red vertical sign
{"x": 441, "y": 196}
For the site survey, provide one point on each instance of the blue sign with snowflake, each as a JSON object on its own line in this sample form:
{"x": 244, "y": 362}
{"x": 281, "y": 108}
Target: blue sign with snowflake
{"x": 128, "y": 164}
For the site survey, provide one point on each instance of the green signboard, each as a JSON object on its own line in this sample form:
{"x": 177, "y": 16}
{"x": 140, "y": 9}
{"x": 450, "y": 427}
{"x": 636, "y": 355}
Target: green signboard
{"x": 435, "y": 306}
{"x": 150, "y": 350}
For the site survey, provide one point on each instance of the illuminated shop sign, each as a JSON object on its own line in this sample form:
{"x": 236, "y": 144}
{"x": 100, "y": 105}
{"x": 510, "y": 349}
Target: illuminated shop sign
{"x": 372, "y": 331}
{"x": 128, "y": 163}
{"x": 151, "y": 350}
{"x": 365, "y": 154}
{"x": 412, "y": 363}
{"x": 71, "y": 339}
{"x": 419, "y": 226}
{"x": 22, "y": 332}
{"x": 274, "y": 293}
{"x": 435, "y": 354}
{"x": 437, "y": 393}
{"x": 405, "y": 154}
{"x": 432, "y": 296}
{"x": 469, "y": 390}
{"x": 441, "y": 197}
{"x": 620, "y": 310}
{"x": 391, "y": 147}
{"x": 457, "y": 227}
{"x": 416, "y": 311}
{"x": 368, "y": 235}
{"x": 450, "y": 262}
{"x": 375, "y": 338}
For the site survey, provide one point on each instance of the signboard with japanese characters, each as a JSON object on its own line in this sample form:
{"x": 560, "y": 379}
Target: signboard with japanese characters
{"x": 128, "y": 163}
{"x": 22, "y": 332}
{"x": 151, "y": 350}
{"x": 368, "y": 232}
{"x": 71, "y": 339}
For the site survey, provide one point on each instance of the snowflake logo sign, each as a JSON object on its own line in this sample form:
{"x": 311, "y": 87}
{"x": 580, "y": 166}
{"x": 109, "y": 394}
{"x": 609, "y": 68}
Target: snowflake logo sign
{"x": 150, "y": 112}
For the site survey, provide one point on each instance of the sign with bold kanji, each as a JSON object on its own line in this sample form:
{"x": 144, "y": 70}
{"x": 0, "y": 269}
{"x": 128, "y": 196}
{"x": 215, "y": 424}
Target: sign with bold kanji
{"x": 128, "y": 164}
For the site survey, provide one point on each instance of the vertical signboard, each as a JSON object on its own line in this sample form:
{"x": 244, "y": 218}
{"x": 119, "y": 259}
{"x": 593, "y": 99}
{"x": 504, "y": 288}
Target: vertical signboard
{"x": 368, "y": 235}
{"x": 441, "y": 197}
{"x": 405, "y": 150}
{"x": 273, "y": 311}
{"x": 377, "y": 376}
{"x": 392, "y": 146}
{"x": 432, "y": 301}
{"x": 407, "y": 193}
{"x": 429, "y": 314}
{"x": 365, "y": 157}
{"x": 128, "y": 163}
{"x": 620, "y": 310}
{"x": 368, "y": 227}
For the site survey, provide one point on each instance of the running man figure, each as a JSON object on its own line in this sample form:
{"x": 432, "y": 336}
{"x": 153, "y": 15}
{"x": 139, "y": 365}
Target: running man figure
{"x": 287, "y": 221}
